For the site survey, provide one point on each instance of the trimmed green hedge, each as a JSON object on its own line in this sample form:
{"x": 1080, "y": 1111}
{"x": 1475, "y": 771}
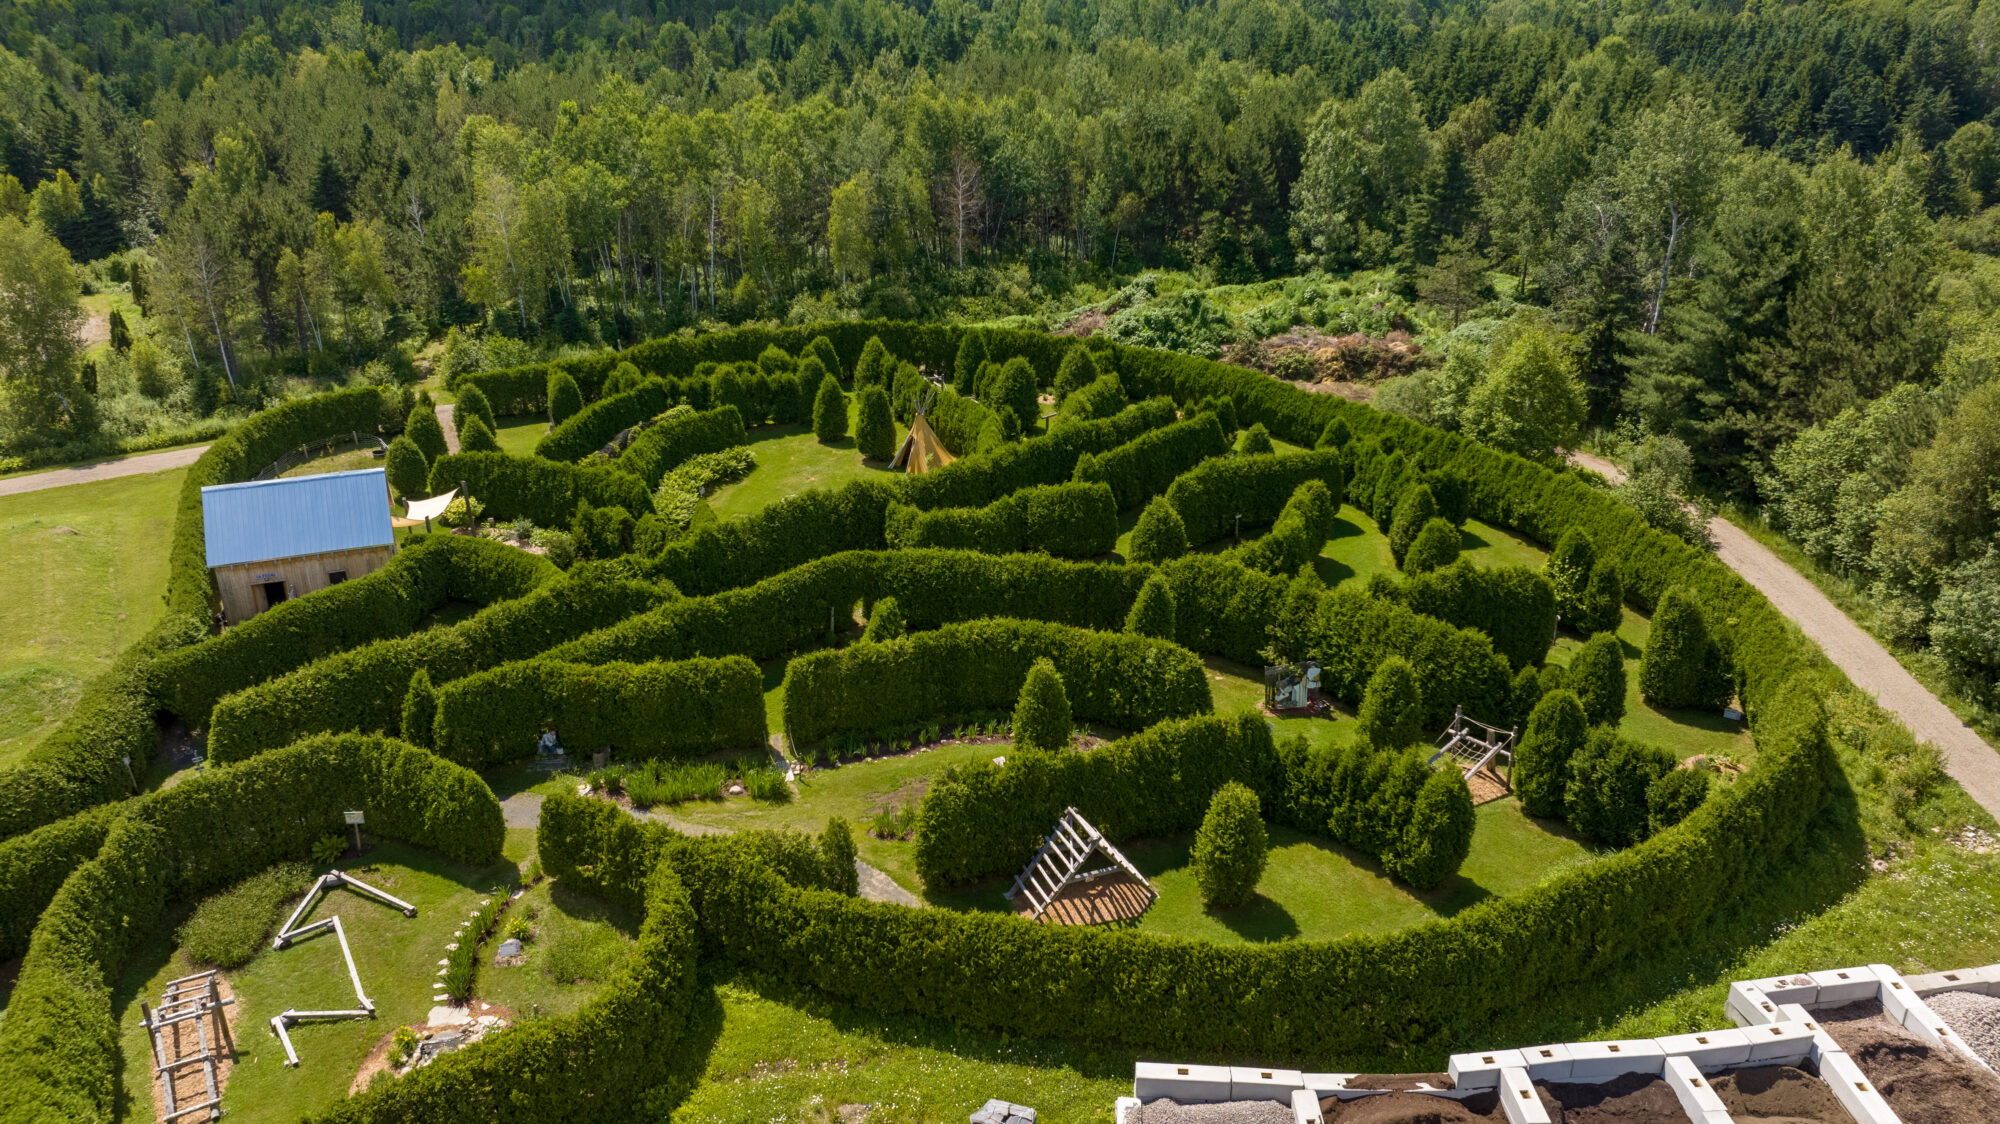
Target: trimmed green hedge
{"x": 1299, "y": 534}
{"x": 981, "y": 819}
{"x": 1145, "y": 466}
{"x": 79, "y": 764}
{"x": 390, "y": 602}
{"x": 593, "y": 427}
{"x": 966, "y": 427}
{"x": 682, "y": 709}
{"x": 784, "y": 535}
{"x": 543, "y": 491}
{"x": 976, "y": 481}
{"x": 1066, "y": 520}
{"x": 362, "y": 689}
{"x": 1513, "y": 605}
{"x": 59, "y": 1042}
{"x": 661, "y": 449}
{"x": 35, "y": 864}
{"x": 1210, "y": 495}
{"x": 1129, "y": 682}
{"x": 1352, "y": 633}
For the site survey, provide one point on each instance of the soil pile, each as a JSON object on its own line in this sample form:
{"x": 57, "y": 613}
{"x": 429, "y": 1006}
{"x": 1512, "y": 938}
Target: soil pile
{"x": 1399, "y": 1082}
{"x": 1923, "y": 1085}
{"x": 1164, "y": 1111}
{"x": 1777, "y": 1094}
{"x": 1975, "y": 1017}
{"x": 1635, "y": 1098}
{"x": 1413, "y": 1108}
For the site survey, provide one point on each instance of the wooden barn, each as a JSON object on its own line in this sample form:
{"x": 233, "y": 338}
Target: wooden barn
{"x": 273, "y": 540}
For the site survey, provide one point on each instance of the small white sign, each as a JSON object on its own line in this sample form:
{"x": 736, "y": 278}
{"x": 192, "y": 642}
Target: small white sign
{"x": 352, "y": 817}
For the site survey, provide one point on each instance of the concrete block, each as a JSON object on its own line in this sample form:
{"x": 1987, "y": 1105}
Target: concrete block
{"x": 1247, "y": 1083}
{"x": 1691, "y": 1087}
{"x": 1593, "y": 1061}
{"x": 1326, "y": 1084}
{"x": 1985, "y": 981}
{"x": 1899, "y": 1001}
{"x": 1183, "y": 1084}
{"x": 1124, "y": 1109}
{"x": 1823, "y": 1042}
{"x": 1305, "y": 1107}
{"x": 1482, "y": 1071}
{"x": 1854, "y": 1091}
{"x": 1547, "y": 1063}
{"x": 1799, "y": 987}
{"x": 1781, "y": 1043}
{"x": 1839, "y": 985}
{"x": 1749, "y": 1006}
{"x": 1518, "y": 1099}
{"x": 1709, "y": 1050}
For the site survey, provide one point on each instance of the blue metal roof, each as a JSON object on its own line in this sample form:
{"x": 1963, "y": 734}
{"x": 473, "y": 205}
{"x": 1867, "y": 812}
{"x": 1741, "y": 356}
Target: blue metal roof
{"x": 295, "y": 515}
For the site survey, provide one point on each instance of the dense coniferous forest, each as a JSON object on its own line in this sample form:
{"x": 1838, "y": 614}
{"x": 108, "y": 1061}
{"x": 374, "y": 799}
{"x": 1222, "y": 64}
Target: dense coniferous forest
{"x": 1749, "y": 240}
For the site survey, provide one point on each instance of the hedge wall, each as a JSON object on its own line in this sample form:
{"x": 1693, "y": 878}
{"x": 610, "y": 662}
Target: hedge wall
{"x": 966, "y": 427}
{"x": 362, "y": 689}
{"x": 682, "y": 709}
{"x": 1067, "y": 520}
{"x": 545, "y": 492}
{"x": 661, "y": 449}
{"x": 35, "y": 864}
{"x": 59, "y": 1042}
{"x": 1299, "y": 534}
{"x": 1145, "y": 466}
{"x": 593, "y": 427}
{"x": 1125, "y": 681}
{"x": 79, "y": 764}
{"x": 981, "y": 819}
{"x": 390, "y": 602}
{"x": 784, "y": 535}
{"x": 1352, "y": 633}
{"x": 1210, "y": 495}
{"x": 979, "y": 480}
{"x": 1513, "y": 605}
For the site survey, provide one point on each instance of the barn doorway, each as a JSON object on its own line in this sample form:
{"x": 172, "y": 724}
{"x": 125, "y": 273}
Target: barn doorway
{"x": 274, "y": 594}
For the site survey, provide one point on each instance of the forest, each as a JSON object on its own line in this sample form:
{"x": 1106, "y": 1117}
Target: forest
{"x": 1749, "y": 246}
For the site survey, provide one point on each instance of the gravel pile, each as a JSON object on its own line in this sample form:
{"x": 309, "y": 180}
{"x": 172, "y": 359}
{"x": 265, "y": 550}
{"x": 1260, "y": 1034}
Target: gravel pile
{"x": 1164, "y": 1111}
{"x": 1976, "y": 1019}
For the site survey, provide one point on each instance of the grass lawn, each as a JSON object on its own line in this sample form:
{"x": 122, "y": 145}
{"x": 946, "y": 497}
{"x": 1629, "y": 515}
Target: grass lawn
{"x": 791, "y": 460}
{"x": 787, "y": 1056}
{"x": 520, "y": 433}
{"x": 1686, "y": 732}
{"x": 81, "y": 574}
{"x": 1354, "y": 551}
{"x": 576, "y": 943}
{"x": 395, "y": 955}
{"x": 346, "y": 457}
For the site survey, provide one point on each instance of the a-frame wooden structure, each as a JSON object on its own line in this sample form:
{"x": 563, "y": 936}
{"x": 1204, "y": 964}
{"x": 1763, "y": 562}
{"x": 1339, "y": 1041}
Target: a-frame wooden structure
{"x": 1064, "y": 860}
{"x": 922, "y": 451}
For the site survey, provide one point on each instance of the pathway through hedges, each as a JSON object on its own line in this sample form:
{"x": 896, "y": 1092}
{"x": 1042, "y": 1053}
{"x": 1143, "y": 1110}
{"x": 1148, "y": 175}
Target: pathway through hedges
{"x": 1967, "y": 757}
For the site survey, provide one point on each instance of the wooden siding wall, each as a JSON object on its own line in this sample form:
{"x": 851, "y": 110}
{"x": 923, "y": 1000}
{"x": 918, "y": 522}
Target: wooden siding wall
{"x": 238, "y": 585}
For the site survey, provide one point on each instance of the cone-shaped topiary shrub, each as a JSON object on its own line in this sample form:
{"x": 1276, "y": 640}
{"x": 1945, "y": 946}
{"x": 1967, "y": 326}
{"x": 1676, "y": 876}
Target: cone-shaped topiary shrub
{"x": 1603, "y": 602}
{"x": 1255, "y": 440}
{"x": 472, "y": 403}
{"x": 1674, "y": 797}
{"x": 1153, "y": 611}
{"x": 406, "y": 467}
{"x": 426, "y": 432}
{"x": 875, "y": 367}
{"x": 971, "y": 356}
{"x": 1042, "y": 716}
{"x": 1160, "y": 536}
{"x": 829, "y": 411}
{"x": 821, "y": 349}
{"x": 1416, "y": 509}
{"x": 1568, "y": 569}
{"x": 1597, "y": 675}
{"x": 875, "y": 429}
{"x": 1392, "y": 706}
{"x": 475, "y": 437}
{"x": 1078, "y": 370}
{"x": 1556, "y": 730}
{"x": 1336, "y": 435}
{"x": 420, "y": 704}
{"x": 885, "y": 621}
{"x": 1682, "y": 667}
{"x": 836, "y": 855}
{"x": 565, "y": 400}
{"x": 1435, "y": 547}
{"x": 1230, "y": 848}
{"x": 1438, "y": 835}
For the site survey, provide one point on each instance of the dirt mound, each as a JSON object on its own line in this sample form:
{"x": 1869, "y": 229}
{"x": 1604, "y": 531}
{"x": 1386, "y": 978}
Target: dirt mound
{"x": 1777, "y": 1094}
{"x": 1922, "y": 1084}
{"x": 1635, "y": 1098}
{"x": 1412, "y": 1108}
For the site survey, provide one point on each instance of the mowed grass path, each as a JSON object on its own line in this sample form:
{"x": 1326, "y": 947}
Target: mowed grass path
{"x": 791, "y": 460}
{"x": 82, "y": 571}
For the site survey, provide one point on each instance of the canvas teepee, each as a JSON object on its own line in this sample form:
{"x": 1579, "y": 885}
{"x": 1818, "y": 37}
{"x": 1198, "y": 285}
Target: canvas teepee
{"x": 921, "y": 451}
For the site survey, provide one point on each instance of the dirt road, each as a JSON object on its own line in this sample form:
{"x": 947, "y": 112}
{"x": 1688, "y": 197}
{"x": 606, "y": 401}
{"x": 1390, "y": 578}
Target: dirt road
{"x": 1968, "y": 758}
{"x": 106, "y": 470}
{"x": 447, "y": 417}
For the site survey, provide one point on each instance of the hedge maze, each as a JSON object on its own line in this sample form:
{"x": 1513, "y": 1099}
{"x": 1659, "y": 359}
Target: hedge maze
{"x": 666, "y": 649}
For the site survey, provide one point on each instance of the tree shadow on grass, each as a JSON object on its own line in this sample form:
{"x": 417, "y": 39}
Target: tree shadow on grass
{"x": 1469, "y": 540}
{"x": 1259, "y": 920}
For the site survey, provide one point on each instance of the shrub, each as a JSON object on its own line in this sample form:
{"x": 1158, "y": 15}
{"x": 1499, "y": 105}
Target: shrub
{"x": 1077, "y": 371}
{"x": 829, "y": 411}
{"x": 1392, "y": 707}
{"x": 406, "y": 468}
{"x": 602, "y": 532}
{"x": 1147, "y": 464}
{"x": 680, "y": 438}
{"x": 1603, "y": 601}
{"x": 971, "y": 357}
{"x": 1682, "y": 666}
{"x": 472, "y": 404}
{"x": 1413, "y": 513}
{"x": 875, "y": 429}
{"x": 1230, "y": 849}
{"x": 1102, "y": 398}
{"x": 836, "y": 849}
{"x": 1674, "y": 797}
{"x": 1041, "y": 717}
{"x": 1212, "y": 495}
{"x": 1438, "y": 836}
{"x": 1597, "y": 676}
{"x": 1351, "y": 634}
{"x": 1160, "y": 535}
{"x": 1608, "y": 782}
{"x": 1153, "y": 613}
{"x": 821, "y": 349}
{"x": 874, "y": 366}
{"x": 1512, "y": 605}
{"x": 1435, "y": 547}
{"x": 537, "y": 489}
{"x": 885, "y": 622}
{"x": 1299, "y": 534}
{"x": 228, "y": 929}
{"x": 1013, "y": 393}
{"x": 565, "y": 400}
{"x": 1569, "y": 568}
{"x": 1334, "y": 435}
{"x": 1556, "y": 730}
{"x": 419, "y": 709}
{"x": 1067, "y": 520}
{"x": 475, "y": 437}
{"x": 1255, "y": 441}
{"x": 424, "y": 430}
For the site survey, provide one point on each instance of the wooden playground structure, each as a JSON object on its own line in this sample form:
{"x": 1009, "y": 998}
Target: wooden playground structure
{"x": 1477, "y": 749}
{"x": 1062, "y": 886}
